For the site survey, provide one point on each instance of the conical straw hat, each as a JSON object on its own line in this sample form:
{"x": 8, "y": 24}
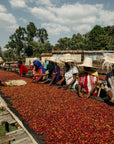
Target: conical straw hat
{"x": 52, "y": 59}
{"x": 87, "y": 62}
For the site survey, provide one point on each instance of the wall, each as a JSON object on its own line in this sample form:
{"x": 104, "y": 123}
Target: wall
{"x": 43, "y": 59}
{"x": 94, "y": 56}
{"x": 31, "y": 60}
{"x": 76, "y": 57}
{"x": 78, "y": 54}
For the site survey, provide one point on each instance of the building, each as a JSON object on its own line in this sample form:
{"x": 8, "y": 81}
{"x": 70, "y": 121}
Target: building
{"x": 29, "y": 61}
{"x": 78, "y": 55}
{"x": 44, "y": 56}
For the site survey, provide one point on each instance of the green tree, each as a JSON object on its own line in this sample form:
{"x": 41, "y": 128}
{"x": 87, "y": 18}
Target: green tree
{"x": 63, "y": 44}
{"x": 98, "y": 38}
{"x": 31, "y": 45}
{"x": 8, "y": 55}
{"x": 39, "y": 48}
{"x": 31, "y": 31}
{"x": 29, "y": 50}
{"x": 77, "y": 41}
{"x": 16, "y": 41}
{"x": 110, "y": 31}
{"x": 42, "y": 35}
{"x": 0, "y": 51}
{"x": 23, "y": 43}
{"x": 74, "y": 43}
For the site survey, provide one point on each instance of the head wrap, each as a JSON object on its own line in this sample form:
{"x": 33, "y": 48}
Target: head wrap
{"x": 38, "y": 65}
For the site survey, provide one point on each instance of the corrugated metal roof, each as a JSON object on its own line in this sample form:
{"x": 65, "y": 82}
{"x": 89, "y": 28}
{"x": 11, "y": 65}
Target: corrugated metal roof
{"x": 82, "y": 51}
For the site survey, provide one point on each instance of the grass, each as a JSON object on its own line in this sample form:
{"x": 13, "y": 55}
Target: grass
{"x": 2, "y": 130}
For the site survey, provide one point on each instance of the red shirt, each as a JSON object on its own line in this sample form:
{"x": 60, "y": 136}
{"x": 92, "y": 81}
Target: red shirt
{"x": 87, "y": 82}
{"x": 23, "y": 69}
{"x": 39, "y": 71}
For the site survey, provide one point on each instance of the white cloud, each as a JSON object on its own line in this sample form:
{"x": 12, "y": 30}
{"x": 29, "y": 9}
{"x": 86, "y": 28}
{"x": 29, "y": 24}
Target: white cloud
{"x": 7, "y": 20}
{"x": 106, "y": 17}
{"x": 31, "y": 1}
{"x": 83, "y": 16}
{"x": 81, "y": 28}
{"x": 2, "y": 8}
{"x": 18, "y": 3}
{"x": 23, "y": 20}
{"x": 23, "y": 3}
{"x": 55, "y": 29}
{"x": 76, "y": 14}
{"x": 42, "y": 13}
{"x": 44, "y": 2}
{"x": 77, "y": 17}
{"x": 75, "y": 11}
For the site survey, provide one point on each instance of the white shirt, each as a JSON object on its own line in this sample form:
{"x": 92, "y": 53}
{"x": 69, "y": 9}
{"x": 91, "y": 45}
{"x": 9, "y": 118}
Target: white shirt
{"x": 110, "y": 81}
{"x": 69, "y": 76}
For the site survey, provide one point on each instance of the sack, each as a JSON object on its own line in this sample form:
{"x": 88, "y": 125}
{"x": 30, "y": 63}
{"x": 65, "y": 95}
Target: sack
{"x": 15, "y": 82}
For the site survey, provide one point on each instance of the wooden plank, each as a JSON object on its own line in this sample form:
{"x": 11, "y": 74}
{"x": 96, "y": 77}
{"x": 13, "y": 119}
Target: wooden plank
{"x": 25, "y": 140}
{"x": 17, "y": 119}
{"x": 18, "y": 131}
{"x": 3, "y": 112}
{"x": 11, "y": 121}
{"x": 17, "y": 135}
{"x": 6, "y": 117}
{"x": 12, "y": 137}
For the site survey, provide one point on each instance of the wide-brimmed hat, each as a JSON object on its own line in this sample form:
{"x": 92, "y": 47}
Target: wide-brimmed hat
{"x": 88, "y": 62}
{"x": 66, "y": 58}
{"x": 52, "y": 59}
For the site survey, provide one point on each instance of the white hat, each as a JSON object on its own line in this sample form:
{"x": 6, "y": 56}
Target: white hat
{"x": 87, "y": 62}
{"x": 67, "y": 58}
{"x": 52, "y": 59}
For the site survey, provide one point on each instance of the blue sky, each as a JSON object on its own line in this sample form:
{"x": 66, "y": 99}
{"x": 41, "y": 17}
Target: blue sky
{"x": 61, "y": 18}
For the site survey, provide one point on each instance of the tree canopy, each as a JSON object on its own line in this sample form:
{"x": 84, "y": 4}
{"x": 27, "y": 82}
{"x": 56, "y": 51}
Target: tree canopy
{"x": 97, "y": 39}
{"x": 30, "y": 41}
{"x": 27, "y": 41}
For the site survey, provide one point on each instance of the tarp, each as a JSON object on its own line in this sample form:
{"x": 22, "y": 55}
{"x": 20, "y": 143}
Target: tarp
{"x": 15, "y": 82}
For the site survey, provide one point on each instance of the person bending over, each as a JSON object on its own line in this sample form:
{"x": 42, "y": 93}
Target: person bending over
{"x": 22, "y": 68}
{"x": 88, "y": 79}
{"x": 70, "y": 73}
{"x": 38, "y": 69}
